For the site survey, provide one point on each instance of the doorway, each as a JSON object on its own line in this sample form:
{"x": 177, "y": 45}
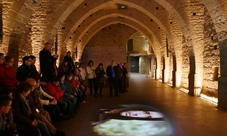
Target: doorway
{"x": 134, "y": 64}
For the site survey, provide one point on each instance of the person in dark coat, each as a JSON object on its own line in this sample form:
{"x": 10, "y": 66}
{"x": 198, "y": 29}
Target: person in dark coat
{"x": 46, "y": 63}
{"x": 99, "y": 71}
{"x": 120, "y": 76}
{"x": 111, "y": 72}
{"x": 63, "y": 68}
{"x": 22, "y": 113}
{"x": 69, "y": 59}
{"x": 34, "y": 71}
{"x": 24, "y": 71}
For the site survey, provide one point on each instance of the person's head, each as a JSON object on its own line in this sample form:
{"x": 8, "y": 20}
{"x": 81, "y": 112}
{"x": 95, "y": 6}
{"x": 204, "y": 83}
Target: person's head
{"x": 56, "y": 81}
{"x": 77, "y": 72}
{"x": 125, "y": 65}
{"x": 5, "y": 104}
{"x": 69, "y": 76}
{"x": 81, "y": 65}
{"x": 76, "y": 77}
{"x": 9, "y": 61}
{"x": 32, "y": 82}
{"x": 47, "y": 46}
{"x": 27, "y": 60}
{"x": 90, "y": 63}
{"x": 33, "y": 59}
{"x": 113, "y": 63}
{"x": 65, "y": 62}
{"x": 61, "y": 76}
{"x": 6, "y": 91}
{"x": 68, "y": 53}
{"x": 1, "y": 58}
{"x": 24, "y": 88}
{"x": 76, "y": 64}
{"x": 100, "y": 65}
{"x": 121, "y": 64}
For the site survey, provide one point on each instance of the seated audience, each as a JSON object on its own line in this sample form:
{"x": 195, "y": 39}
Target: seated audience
{"x": 47, "y": 102}
{"x": 67, "y": 96}
{"x": 7, "y": 75}
{"x": 63, "y": 68}
{"x": 53, "y": 89}
{"x": 7, "y": 127}
{"x": 34, "y": 71}
{"x": 38, "y": 111}
{"x": 22, "y": 113}
{"x": 24, "y": 71}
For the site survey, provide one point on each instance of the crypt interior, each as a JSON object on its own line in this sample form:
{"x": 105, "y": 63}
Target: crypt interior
{"x": 180, "y": 45}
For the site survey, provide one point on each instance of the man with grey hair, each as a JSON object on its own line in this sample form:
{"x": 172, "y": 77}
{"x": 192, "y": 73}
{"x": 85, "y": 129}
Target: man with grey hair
{"x": 47, "y": 63}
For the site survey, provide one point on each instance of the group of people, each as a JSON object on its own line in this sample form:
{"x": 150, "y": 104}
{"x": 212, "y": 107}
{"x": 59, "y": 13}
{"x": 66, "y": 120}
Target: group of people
{"x": 39, "y": 99}
{"x": 117, "y": 78}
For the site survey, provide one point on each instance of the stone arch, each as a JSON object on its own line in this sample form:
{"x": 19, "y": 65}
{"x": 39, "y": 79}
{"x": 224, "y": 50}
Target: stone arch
{"x": 154, "y": 38}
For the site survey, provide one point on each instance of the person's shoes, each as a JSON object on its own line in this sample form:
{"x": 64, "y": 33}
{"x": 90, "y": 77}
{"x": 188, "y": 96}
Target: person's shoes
{"x": 59, "y": 133}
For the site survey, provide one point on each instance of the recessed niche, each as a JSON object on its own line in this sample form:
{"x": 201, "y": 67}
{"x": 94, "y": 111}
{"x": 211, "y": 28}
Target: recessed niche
{"x": 194, "y": 14}
{"x": 63, "y": 28}
{"x": 85, "y": 4}
{"x": 151, "y": 20}
{"x": 156, "y": 8}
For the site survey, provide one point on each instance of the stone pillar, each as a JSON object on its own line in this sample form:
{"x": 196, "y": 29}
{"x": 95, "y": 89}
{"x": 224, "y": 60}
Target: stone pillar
{"x": 191, "y": 76}
{"x": 222, "y": 81}
{"x": 174, "y": 72}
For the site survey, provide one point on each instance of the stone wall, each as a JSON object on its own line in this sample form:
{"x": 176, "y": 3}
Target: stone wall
{"x": 108, "y": 44}
{"x": 211, "y": 58}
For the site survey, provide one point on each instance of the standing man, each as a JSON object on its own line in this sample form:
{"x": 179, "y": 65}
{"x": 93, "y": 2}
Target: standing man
{"x": 111, "y": 72}
{"x": 46, "y": 63}
{"x": 69, "y": 59}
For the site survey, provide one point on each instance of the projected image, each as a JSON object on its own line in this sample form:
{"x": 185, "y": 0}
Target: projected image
{"x": 131, "y": 120}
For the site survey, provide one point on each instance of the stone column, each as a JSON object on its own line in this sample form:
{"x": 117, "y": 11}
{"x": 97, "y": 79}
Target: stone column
{"x": 222, "y": 81}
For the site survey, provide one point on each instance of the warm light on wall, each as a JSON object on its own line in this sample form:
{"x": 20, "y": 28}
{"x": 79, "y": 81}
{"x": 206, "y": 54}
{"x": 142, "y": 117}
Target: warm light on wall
{"x": 178, "y": 79}
{"x": 208, "y": 98}
{"x": 184, "y": 90}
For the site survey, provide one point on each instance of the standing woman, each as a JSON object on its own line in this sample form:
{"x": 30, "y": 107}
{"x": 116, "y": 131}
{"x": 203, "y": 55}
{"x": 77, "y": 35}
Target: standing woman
{"x": 99, "y": 71}
{"x": 91, "y": 77}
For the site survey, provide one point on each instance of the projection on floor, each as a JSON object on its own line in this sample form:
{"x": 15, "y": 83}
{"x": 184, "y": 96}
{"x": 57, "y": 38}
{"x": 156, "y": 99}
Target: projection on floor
{"x": 131, "y": 120}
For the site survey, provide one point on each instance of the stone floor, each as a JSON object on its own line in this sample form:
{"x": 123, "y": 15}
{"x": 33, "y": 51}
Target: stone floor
{"x": 186, "y": 115}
